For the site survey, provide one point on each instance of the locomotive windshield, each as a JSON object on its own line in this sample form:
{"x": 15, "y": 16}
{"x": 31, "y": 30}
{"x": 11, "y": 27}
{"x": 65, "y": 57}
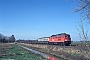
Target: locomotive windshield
{"x": 67, "y": 36}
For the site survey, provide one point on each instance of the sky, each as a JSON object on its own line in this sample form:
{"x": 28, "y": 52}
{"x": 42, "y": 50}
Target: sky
{"x": 32, "y": 19}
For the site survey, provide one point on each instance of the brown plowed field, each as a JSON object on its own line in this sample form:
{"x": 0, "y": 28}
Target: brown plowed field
{"x": 64, "y": 52}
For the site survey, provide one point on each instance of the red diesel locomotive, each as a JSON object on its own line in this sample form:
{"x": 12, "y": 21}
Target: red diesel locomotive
{"x": 61, "y": 39}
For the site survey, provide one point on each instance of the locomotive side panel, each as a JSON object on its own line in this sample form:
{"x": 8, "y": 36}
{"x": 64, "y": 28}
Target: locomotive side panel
{"x": 61, "y": 39}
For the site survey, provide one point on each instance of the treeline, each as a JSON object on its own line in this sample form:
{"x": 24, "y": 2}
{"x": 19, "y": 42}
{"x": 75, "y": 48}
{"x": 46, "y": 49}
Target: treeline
{"x": 27, "y": 41}
{"x": 6, "y": 39}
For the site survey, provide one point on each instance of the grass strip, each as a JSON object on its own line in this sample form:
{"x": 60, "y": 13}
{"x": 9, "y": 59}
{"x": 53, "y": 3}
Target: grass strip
{"x": 18, "y": 53}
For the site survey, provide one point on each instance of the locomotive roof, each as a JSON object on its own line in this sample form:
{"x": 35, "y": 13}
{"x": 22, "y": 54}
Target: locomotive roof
{"x": 59, "y": 34}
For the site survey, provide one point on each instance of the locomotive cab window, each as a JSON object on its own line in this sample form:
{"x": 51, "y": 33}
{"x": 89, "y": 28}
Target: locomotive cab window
{"x": 68, "y": 36}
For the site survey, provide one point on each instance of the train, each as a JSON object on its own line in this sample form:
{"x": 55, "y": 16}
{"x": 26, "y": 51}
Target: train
{"x": 57, "y": 39}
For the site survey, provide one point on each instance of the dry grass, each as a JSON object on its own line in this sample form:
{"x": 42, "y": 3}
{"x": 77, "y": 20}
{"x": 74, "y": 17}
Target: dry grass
{"x": 63, "y": 51}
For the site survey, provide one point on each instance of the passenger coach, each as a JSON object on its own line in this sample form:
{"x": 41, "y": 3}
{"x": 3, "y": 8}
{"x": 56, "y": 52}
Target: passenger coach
{"x": 43, "y": 40}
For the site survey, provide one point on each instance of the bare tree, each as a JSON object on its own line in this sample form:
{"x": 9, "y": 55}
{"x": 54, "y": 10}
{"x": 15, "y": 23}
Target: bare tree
{"x": 82, "y": 29}
{"x": 84, "y": 9}
{"x": 12, "y": 39}
{"x": 1, "y": 37}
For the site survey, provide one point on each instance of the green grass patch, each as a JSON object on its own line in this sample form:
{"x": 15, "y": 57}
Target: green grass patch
{"x": 76, "y": 54}
{"x": 18, "y": 53}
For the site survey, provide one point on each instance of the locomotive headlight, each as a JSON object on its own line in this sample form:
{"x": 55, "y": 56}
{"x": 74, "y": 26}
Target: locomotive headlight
{"x": 65, "y": 40}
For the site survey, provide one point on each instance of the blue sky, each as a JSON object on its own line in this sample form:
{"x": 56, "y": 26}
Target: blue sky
{"x": 32, "y": 19}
